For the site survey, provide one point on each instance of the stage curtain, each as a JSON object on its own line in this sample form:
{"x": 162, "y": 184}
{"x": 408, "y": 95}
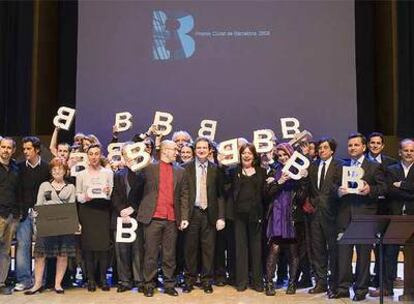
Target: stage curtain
{"x": 405, "y": 122}
{"x": 16, "y": 39}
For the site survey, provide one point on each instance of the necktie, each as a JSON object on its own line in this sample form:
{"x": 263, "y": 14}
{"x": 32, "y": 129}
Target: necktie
{"x": 322, "y": 177}
{"x": 203, "y": 187}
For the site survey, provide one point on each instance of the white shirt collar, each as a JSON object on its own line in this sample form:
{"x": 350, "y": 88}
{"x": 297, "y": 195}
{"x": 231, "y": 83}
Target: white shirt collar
{"x": 327, "y": 162}
{"x": 28, "y": 164}
{"x": 198, "y": 163}
{"x": 406, "y": 169}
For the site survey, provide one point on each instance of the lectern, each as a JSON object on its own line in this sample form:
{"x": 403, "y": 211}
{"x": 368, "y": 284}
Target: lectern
{"x": 386, "y": 229}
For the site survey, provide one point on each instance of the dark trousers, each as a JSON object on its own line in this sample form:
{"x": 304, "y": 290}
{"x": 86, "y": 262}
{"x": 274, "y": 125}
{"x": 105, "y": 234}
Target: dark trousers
{"x": 159, "y": 235}
{"x": 130, "y": 258}
{"x": 248, "y": 238}
{"x": 390, "y": 265}
{"x": 304, "y": 250}
{"x": 180, "y": 253}
{"x": 96, "y": 260}
{"x": 324, "y": 252}
{"x": 200, "y": 234}
{"x": 362, "y": 268}
{"x": 224, "y": 259}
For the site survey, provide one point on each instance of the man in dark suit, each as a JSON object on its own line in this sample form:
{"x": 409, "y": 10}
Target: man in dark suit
{"x": 365, "y": 201}
{"x": 325, "y": 179}
{"x": 400, "y": 200}
{"x": 125, "y": 205}
{"x": 159, "y": 212}
{"x": 201, "y": 216}
{"x": 376, "y": 144}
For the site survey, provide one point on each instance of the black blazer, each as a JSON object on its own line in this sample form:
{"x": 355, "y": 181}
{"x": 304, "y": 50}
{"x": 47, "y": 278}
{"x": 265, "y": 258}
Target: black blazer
{"x": 256, "y": 214}
{"x": 148, "y": 192}
{"x": 397, "y": 197}
{"x": 387, "y": 161}
{"x": 215, "y": 200}
{"x": 120, "y": 199}
{"x": 352, "y": 204}
{"x": 325, "y": 200}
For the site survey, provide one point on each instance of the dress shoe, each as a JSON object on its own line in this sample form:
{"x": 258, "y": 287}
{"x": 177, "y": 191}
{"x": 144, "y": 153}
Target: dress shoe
{"x": 5, "y": 290}
{"x": 91, "y": 286}
{"x": 220, "y": 283}
{"x": 208, "y": 288}
{"x": 339, "y": 295}
{"x": 317, "y": 289}
{"x": 359, "y": 297}
{"x": 241, "y": 288}
{"x": 59, "y": 290}
{"x": 187, "y": 288}
{"x": 304, "y": 283}
{"x": 377, "y": 293}
{"x": 171, "y": 291}
{"x": 149, "y": 292}
{"x": 123, "y": 288}
{"x": 291, "y": 288}
{"x": 32, "y": 292}
{"x": 105, "y": 287}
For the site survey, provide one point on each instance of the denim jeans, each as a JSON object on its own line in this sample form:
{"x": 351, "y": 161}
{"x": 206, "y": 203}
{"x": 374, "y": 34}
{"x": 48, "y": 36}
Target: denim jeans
{"x": 7, "y": 228}
{"x": 23, "y": 252}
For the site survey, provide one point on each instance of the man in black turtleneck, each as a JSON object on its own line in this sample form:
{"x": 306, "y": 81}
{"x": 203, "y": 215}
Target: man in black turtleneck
{"x": 9, "y": 209}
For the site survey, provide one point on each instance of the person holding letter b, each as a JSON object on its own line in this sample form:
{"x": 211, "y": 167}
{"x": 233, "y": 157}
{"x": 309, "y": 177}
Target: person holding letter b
{"x": 94, "y": 188}
{"x": 363, "y": 200}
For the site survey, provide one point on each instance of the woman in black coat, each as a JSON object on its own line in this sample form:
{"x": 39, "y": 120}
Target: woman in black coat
{"x": 245, "y": 208}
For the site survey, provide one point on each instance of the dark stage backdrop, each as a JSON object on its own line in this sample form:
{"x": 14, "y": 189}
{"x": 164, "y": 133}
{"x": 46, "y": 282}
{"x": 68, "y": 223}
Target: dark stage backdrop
{"x": 245, "y": 64}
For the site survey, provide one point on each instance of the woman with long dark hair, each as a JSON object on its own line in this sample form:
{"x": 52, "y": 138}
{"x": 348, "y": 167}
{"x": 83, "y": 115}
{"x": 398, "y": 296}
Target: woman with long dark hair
{"x": 245, "y": 208}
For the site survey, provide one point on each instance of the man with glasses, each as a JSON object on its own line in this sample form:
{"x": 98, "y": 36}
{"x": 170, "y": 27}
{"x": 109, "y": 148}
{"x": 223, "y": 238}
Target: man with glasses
{"x": 159, "y": 212}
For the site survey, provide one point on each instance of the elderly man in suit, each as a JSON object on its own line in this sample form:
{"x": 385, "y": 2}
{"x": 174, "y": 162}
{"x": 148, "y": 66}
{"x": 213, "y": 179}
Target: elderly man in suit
{"x": 202, "y": 216}
{"x": 159, "y": 212}
{"x": 364, "y": 202}
{"x": 325, "y": 179}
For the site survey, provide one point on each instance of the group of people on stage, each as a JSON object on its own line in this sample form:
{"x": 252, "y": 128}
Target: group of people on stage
{"x": 201, "y": 223}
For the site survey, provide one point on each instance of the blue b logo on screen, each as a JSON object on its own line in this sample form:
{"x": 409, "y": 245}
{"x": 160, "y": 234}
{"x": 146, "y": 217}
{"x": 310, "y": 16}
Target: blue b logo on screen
{"x": 171, "y": 35}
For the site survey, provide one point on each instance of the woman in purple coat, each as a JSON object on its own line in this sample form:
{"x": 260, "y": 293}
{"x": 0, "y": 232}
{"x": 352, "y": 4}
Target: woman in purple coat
{"x": 286, "y": 196}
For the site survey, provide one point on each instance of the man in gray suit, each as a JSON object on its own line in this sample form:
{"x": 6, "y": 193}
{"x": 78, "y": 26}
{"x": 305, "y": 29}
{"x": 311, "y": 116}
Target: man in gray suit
{"x": 159, "y": 212}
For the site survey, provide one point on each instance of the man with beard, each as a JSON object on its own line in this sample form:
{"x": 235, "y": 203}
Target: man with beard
{"x": 9, "y": 209}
